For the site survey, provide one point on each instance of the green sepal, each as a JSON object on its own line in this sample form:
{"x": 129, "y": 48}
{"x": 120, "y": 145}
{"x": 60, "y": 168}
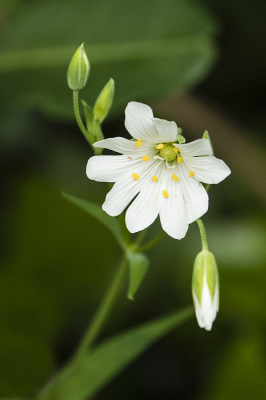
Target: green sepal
{"x": 94, "y": 130}
{"x": 205, "y": 268}
{"x": 104, "y": 102}
{"x": 206, "y": 135}
{"x": 181, "y": 139}
{"x": 138, "y": 267}
{"x": 97, "y": 212}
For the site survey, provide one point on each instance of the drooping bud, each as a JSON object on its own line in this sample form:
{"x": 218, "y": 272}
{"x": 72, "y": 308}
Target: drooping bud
{"x": 205, "y": 289}
{"x": 104, "y": 102}
{"x": 78, "y": 69}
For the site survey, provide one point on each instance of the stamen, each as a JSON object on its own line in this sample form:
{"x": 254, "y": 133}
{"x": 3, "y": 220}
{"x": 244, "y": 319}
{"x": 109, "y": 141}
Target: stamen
{"x": 135, "y": 176}
{"x": 191, "y": 173}
{"x": 158, "y": 157}
{"x": 154, "y": 178}
{"x": 160, "y": 146}
{"x": 166, "y": 194}
{"x": 145, "y": 158}
{"x": 180, "y": 160}
{"x": 169, "y": 166}
{"x": 130, "y": 158}
{"x": 176, "y": 150}
{"x": 138, "y": 143}
{"x": 175, "y": 178}
{"x": 175, "y": 195}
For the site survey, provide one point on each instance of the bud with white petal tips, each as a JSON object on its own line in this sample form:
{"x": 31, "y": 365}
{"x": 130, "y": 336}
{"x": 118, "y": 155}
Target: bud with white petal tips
{"x": 78, "y": 69}
{"x": 205, "y": 289}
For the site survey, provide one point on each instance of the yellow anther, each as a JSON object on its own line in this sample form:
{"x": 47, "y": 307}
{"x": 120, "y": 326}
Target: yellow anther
{"x": 175, "y": 195}
{"x": 130, "y": 158}
{"x": 154, "y": 178}
{"x": 180, "y": 160}
{"x": 175, "y": 178}
{"x": 176, "y": 150}
{"x": 135, "y": 176}
{"x": 166, "y": 194}
{"x": 191, "y": 173}
{"x": 145, "y": 158}
{"x": 160, "y": 146}
{"x": 138, "y": 143}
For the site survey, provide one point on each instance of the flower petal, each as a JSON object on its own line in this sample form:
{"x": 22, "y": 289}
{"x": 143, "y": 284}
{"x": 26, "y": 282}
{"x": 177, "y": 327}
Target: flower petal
{"x": 207, "y": 169}
{"x": 145, "y": 208}
{"x": 121, "y": 195}
{"x": 126, "y": 188}
{"x": 109, "y": 168}
{"x": 173, "y": 212}
{"x": 139, "y": 122}
{"x": 196, "y": 197}
{"x": 127, "y": 147}
{"x": 199, "y": 147}
{"x": 166, "y": 130}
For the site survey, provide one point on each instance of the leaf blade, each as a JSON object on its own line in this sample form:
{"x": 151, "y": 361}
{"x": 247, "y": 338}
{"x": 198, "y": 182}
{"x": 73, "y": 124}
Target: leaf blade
{"x": 97, "y": 212}
{"x": 85, "y": 378}
{"x": 138, "y": 267}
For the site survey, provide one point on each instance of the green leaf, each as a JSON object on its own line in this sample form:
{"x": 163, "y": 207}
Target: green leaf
{"x": 97, "y": 212}
{"x": 148, "y": 50}
{"x": 138, "y": 266}
{"x": 95, "y": 369}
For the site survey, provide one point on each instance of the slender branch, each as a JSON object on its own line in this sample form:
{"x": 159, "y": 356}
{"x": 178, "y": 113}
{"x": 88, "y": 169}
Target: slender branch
{"x": 202, "y": 234}
{"x": 155, "y": 240}
{"x": 78, "y": 117}
{"x": 103, "y": 310}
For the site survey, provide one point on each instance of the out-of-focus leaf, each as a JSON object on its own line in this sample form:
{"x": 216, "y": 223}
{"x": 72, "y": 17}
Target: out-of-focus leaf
{"x": 147, "y": 47}
{"x": 96, "y": 368}
{"x": 25, "y": 363}
{"x": 138, "y": 267}
{"x": 97, "y": 212}
{"x": 241, "y": 374}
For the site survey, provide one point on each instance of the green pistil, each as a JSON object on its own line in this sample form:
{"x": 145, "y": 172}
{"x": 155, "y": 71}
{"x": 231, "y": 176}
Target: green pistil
{"x": 167, "y": 152}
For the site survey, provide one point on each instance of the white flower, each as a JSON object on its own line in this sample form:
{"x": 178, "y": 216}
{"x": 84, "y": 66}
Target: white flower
{"x": 165, "y": 175}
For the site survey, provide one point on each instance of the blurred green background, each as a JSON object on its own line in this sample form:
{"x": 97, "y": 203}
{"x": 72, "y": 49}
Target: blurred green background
{"x": 199, "y": 63}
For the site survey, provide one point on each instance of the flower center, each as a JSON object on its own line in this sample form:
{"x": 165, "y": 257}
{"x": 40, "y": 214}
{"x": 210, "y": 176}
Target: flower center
{"x": 168, "y": 153}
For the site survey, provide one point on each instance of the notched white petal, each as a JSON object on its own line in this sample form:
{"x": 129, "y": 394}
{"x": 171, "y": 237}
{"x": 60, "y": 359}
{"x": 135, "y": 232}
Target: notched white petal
{"x": 125, "y": 146}
{"x": 199, "y": 147}
{"x": 196, "y": 197}
{"x": 173, "y": 212}
{"x": 139, "y": 123}
{"x": 208, "y": 169}
{"x": 108, "y": 168}
{"x": 167, "y": 130}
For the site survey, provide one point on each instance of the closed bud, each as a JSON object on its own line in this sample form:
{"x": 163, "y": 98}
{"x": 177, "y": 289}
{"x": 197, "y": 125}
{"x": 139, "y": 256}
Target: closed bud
{"x": 104, "y": 102}
{"x": 205, "y": 289}
{"x": 78, "y": 69}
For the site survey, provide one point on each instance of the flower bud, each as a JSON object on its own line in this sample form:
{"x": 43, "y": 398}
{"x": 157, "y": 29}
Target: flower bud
{"x": 205, "y": 289}
{"x": 78, "y": 69}
{"x": 104, "y": 102}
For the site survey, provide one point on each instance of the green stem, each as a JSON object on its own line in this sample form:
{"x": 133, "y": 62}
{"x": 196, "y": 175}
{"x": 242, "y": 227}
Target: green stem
{"x": 78, "y": 118}
{"x": 152, "y": 242}
{"x": 103, "y": 310}
{"x": 140, "y": 237}
{"x": 202, "y": 234}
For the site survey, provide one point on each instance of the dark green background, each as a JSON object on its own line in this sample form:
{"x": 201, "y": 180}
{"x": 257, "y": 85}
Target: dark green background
{"x": 56, "y": 261}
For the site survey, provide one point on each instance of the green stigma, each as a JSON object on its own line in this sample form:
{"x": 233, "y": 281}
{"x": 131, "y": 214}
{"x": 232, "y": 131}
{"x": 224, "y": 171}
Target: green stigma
{"x": 168, "y": 153}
